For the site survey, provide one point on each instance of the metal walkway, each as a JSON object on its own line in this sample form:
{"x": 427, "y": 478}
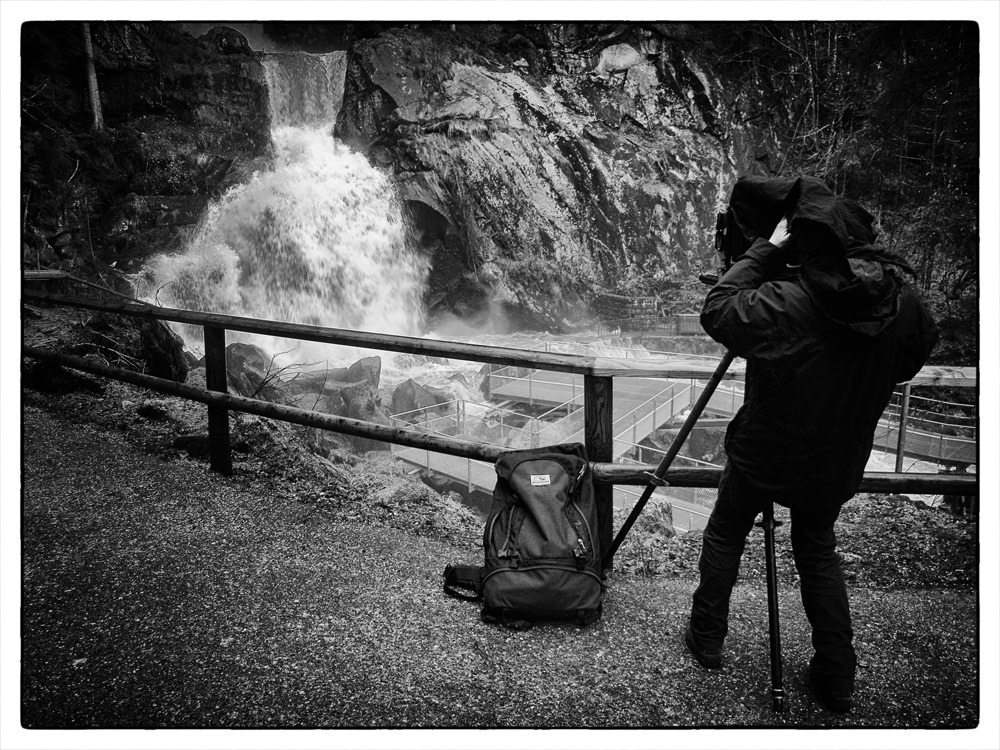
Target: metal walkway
{"x": 640, "y": 406}
{"x": 638, "y": 403}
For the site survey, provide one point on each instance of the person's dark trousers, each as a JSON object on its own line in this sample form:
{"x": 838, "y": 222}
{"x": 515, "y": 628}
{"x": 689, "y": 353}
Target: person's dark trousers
{"x": 824, "y": 594}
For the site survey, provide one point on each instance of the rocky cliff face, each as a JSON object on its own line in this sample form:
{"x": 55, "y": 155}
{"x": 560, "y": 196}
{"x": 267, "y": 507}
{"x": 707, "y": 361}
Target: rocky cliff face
{"x": 201, "y": 119}
{"x": 542, "y": 164}
{"x": 184, "y": 119}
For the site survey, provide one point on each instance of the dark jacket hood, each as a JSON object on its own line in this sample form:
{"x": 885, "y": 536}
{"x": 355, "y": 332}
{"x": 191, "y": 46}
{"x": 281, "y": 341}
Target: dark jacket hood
{"x": 852, "y": 279}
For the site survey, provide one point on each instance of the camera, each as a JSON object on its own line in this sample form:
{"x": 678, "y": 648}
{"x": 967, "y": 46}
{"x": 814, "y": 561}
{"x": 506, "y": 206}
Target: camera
{"x": 730, "y": 244}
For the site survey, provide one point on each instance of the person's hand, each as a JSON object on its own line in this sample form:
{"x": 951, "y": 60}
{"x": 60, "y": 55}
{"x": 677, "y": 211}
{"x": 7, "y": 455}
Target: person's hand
{"x": 780, "y": 235}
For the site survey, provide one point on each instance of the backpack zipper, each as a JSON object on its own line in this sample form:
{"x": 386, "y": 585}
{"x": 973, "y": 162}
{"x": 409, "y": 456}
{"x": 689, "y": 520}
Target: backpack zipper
{"x": 503, "y": 551}
{"x": 581, "y": 547}
{"x": 496, "y": 571}
{"x": 489, "y": 535}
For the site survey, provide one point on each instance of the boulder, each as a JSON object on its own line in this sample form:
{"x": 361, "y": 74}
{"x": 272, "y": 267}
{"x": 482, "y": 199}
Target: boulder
{"x": 364, "y": 403}
{"x": 619, "y": 57}
{"x": 251, "y": 371}
{"x": 410, "y": 396}
{"x": 139, "y": 344}
{"x": 351, "y": 392}
{"x": 323, "y": 390}
{"x": 228, "y": 40}
{"x": 368, "y": 370}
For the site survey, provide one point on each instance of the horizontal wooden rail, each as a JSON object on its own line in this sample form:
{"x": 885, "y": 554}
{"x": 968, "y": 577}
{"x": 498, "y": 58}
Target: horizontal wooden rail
{"x": 604, "y": 472}
{"x": 496, "y": 355}
{"x": 345, "y": 425}
{"x": 693, "y": 369}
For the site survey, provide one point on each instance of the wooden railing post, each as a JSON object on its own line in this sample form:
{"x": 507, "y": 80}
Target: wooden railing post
{"x": 218, "y": 416}
{"x": 598, "y": 437}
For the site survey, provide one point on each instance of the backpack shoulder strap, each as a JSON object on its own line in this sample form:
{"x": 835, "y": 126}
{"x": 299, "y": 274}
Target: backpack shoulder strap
{"x": 460, "y": 580}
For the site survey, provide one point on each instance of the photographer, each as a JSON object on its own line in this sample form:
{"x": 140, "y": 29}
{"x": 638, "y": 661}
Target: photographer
{"x": 828, "y": 329}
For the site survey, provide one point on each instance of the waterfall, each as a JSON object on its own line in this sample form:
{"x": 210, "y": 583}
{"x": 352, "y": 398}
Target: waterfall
{"x": 304, "y": 90}
{"x": 317, "y": 238}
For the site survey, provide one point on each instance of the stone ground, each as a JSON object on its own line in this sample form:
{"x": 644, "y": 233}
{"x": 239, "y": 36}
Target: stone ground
{"x": 157, "y": 594}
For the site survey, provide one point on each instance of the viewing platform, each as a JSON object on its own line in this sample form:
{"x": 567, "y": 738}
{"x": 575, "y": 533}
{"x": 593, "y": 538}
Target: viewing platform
{"x": 641, "y": 405}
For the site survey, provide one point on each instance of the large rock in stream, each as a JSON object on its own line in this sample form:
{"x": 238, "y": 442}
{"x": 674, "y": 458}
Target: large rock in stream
{"x": 414, "y": 402}
{"x": 344, "y": 391}
{"x": 542, "y": 163}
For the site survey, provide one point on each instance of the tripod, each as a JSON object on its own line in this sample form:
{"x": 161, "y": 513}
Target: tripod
{"x": 767, "y": 523}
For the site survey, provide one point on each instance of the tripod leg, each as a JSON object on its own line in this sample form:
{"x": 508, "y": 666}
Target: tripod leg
{"x": 777, "y": 690}
{"x": 656, "y": 478}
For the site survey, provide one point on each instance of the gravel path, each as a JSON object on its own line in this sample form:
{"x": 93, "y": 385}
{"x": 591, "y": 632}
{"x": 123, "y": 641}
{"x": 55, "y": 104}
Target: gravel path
{"x": 158, "y": 594}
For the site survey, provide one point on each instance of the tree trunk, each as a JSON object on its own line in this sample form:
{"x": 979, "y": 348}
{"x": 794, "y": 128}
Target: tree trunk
{"x": 97, "y": 118}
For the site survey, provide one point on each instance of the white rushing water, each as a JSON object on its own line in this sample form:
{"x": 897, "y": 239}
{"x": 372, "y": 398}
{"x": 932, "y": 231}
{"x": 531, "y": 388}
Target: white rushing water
{"x": 318, "y": 238}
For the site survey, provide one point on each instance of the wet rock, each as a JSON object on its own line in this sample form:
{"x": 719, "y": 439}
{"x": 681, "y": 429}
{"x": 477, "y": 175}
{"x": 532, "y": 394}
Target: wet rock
{"x": 228, "y": 41}
{"x": 189, "y": 115}
{"x": 619, "y": 57}
{"x": 364, "y": 403}
{"x": 251, "y": 371}
{"x": 368, "y": 369}
{"x": 164, "y": 351}
{"x": 138, "y": 344}
{"x": 410, "y": 396}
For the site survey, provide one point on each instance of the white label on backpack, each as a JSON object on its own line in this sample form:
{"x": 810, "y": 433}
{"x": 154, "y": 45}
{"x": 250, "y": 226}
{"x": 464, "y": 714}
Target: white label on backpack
{"x": 540, "y": 480}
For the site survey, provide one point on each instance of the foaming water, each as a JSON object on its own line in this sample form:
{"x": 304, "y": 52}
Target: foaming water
{"x": 318, "y": 238}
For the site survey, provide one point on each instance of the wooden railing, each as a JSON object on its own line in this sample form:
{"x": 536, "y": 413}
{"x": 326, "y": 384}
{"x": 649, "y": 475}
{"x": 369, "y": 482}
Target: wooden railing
{"x": 598, "y": 374}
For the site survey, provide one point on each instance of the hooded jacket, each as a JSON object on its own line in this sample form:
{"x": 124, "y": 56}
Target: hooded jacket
{"x": 825, "y": 344}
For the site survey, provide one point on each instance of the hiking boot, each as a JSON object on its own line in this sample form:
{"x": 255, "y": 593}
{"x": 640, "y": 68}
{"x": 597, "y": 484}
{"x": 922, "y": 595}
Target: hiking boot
{"x": 836, "y": 693}
{"x": 707, "y": 657}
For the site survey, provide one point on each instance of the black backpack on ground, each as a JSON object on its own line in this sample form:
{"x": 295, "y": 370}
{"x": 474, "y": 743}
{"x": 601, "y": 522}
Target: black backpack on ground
{"x": 541, "y": 542}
